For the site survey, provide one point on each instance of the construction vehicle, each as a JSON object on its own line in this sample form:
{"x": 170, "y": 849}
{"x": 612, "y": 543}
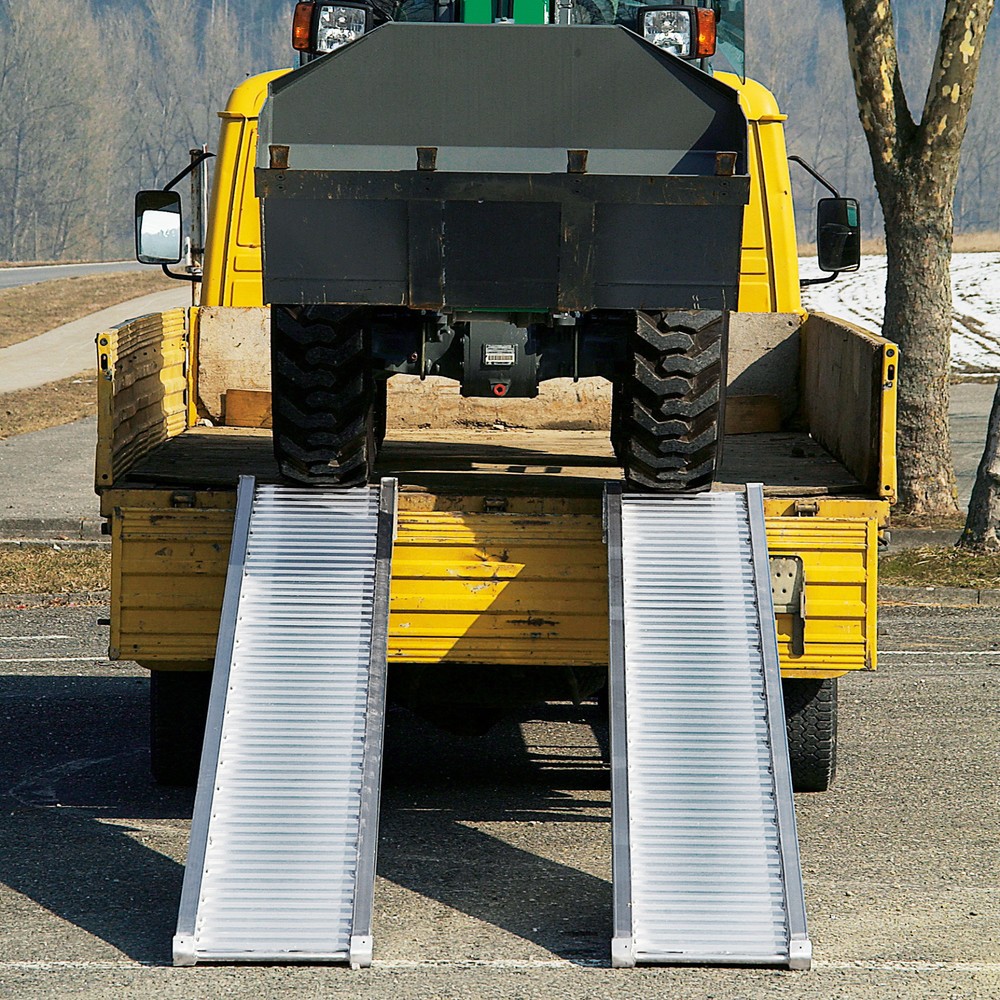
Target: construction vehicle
{"x": 713, "y": 542}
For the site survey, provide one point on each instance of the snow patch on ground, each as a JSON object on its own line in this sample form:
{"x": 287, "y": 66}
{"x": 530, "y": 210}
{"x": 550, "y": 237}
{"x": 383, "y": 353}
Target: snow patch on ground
{"x": 975, "y": 287}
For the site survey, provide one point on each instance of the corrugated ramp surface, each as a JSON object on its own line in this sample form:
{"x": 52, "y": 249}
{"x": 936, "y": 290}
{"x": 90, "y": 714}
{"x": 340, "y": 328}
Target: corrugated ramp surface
{"x": 706, "y": 863}
{"x": 282, "y": 856}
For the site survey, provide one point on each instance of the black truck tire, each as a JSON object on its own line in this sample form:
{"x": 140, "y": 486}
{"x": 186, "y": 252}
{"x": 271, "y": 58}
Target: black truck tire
{"x": 667, "y": 425}
{"x": 811, "y": 719}
{"x": 178, "y": 706}
{"x": 323, "y": 398}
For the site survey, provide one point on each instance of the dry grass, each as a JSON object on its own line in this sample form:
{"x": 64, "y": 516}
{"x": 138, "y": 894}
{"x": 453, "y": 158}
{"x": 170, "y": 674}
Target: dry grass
{"x": 947, "y": 522}
{"x": 49, "y": 405}
{"x": 934, "y": 566}
{"x": 985, "y": 242}
{"x": 33, "y": 309}
{"x": 30, "y": 310}
{"x": 43, "y": 570}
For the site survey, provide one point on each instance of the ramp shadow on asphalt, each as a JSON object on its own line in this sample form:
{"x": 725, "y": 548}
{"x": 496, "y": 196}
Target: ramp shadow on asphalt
{"x": 78, "y": 804}
{"x": 476, "y": 824}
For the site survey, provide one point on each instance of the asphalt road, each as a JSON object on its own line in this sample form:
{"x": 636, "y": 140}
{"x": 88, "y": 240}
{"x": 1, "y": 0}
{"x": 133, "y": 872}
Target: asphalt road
{"x": 12, "y": 277}
{"x": 495, "y": 853}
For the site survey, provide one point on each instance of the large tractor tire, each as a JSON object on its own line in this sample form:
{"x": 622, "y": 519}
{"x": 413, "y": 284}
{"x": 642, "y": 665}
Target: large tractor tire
{"x": 811, "y": 718}
{"x": 323, "y": 396}
{"x": 178, "y": 705}
{"x": 668, "y": 411}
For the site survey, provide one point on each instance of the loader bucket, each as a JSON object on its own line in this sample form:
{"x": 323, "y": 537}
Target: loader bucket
{"x": 500, "y": 167}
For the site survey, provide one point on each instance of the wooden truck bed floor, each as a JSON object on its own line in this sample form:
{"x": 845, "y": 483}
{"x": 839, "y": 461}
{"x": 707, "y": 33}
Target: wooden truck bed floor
{"x": 517, "y": 462}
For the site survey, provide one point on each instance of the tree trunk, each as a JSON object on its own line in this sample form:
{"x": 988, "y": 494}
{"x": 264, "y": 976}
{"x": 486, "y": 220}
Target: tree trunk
{"x": 916, "y": 168}
{"x": 918, "y": 316}
{"x": 983, "y": 523}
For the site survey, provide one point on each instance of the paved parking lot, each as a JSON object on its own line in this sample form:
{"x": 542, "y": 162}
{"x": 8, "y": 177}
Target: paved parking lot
{"x": 495, "y": 853}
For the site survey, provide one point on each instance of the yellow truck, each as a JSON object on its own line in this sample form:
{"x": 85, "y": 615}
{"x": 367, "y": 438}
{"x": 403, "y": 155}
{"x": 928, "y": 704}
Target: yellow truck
{"x": 499, "y": 589}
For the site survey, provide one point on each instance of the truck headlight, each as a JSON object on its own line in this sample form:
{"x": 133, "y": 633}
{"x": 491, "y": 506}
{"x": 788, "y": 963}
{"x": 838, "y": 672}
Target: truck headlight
{"x": 688, "y": 32}
{"x": 338, "y": 24}
{"x": 322, "y": 27}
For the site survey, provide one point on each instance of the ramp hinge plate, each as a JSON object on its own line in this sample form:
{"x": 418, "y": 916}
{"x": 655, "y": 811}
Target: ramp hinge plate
{"x": 788, "y": 593}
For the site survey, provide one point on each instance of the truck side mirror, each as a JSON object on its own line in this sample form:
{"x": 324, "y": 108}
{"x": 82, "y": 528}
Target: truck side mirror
{"x": 838, "y": 234}
{"x": 158, "y": 227}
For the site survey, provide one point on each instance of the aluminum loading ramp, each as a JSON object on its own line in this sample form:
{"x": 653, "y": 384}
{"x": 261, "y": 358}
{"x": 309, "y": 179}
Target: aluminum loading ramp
{"x": 705, "y": 857}
{"x": 281, "y": 864}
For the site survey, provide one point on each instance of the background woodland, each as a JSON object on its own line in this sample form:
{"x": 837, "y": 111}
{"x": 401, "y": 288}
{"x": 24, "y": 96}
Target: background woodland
{"x": 101, "y": 97}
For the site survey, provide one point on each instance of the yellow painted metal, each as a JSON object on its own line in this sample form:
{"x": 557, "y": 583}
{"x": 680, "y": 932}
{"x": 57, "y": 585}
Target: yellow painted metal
{"x": 834, "y": 508}
{"x": 512, "y": 588}
{"x": 769, "y": 267}
{"x": 168, "y": 574}
{"x": 499, "y": 588}
{"x": 887, "y": 421}
{"x": 142, "y": 390}
{"x": 233, "y": 244}
{"x": 840, "y": 602}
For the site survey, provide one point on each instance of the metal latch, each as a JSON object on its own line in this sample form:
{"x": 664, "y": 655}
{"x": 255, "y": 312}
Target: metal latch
{"x": 789, "y": 595}
{"x": 806, "y": 508}
{"x": 494, "y": 505}
{"x": 183, "y": 498}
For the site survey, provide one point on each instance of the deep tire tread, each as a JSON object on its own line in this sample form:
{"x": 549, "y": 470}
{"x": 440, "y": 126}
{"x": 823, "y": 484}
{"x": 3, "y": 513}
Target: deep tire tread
{"x": 667, "y": 425}
{"x": 811, "y": 720}
{"x": 323, "y": 396}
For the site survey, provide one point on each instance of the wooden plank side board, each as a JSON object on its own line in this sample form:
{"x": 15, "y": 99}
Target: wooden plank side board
{"x": 246, "y": 408}
{"x": 141, "y": 390}
{"x": 842, "y": 393}
{"x": 752, "y": 414}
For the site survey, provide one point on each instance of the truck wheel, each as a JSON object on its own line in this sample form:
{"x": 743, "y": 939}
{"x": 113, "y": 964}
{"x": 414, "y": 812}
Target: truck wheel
{"x": 811, "y": 718}
{"x": 322, "y": 396}
{"x": 178, "y": 705}
{"x": 672, "y": 399}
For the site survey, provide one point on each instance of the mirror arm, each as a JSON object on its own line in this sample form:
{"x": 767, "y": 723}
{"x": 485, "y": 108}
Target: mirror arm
{"x": 196, "y": 162}
{"x": 180, "y": 277}
{"x": 802, "y": 281}
{"x": 819, "y": 177}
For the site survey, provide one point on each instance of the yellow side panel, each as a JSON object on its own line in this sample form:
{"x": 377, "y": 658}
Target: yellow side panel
{"x": 769, "y": 268}
{"x": 233, "y": 242}
{"x": 756, "y": 290}
{"x": 840, "y": 566}
{"x": 168, "y": 576}
{"x": 477, "y": 588}
{"x": 499, "y": 588}
{"x": 783, "y": 259}
{"x": 142, "y": 390}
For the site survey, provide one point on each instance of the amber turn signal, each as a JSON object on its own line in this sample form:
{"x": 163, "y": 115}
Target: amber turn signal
{"x": 705, "y": 42}
{"x": 302, "y": 26}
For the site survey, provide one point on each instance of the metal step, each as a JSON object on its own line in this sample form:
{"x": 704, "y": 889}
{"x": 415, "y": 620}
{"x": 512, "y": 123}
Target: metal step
{"x": 705, "y": 856}
{"x": 281, "y": 863}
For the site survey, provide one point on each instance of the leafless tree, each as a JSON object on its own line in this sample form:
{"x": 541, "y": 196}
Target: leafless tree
{"x": 915, "y": 164}
{"x": 982, "y": 526}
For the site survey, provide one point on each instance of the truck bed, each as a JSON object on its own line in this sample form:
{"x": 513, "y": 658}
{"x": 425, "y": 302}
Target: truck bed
{"x": 517, "y": 462}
